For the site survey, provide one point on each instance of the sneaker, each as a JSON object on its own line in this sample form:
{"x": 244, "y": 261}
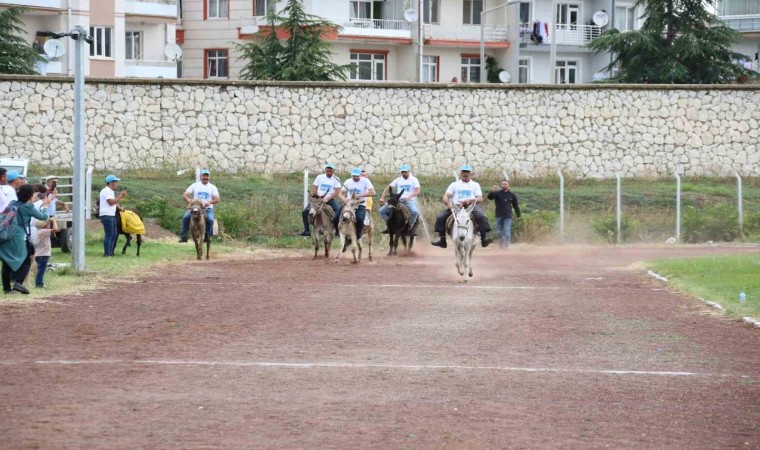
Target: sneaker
{"x": 305, "y": 234}
{"x": 18, "y": 287}
{"x": 7, "y": 292}
{"x": 182, "y": 240}
{"x": 485, "y": 241}
{"x": 39, "y": 286}
{"x": 441, "y": 243}
{"x": 206, "y": 239}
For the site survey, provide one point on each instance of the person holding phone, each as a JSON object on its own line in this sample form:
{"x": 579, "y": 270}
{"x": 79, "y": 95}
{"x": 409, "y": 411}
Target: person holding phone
{"x": 108, "y": 203}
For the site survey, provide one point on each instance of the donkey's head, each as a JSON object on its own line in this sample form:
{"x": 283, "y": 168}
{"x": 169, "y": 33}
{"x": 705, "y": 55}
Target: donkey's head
{"x": 196, "y": 209}
{"x": 463, "y": 227}
{"x": 349, "y": 209}
{"x": 316, "y": 203}
{"x": 395, "y": 198}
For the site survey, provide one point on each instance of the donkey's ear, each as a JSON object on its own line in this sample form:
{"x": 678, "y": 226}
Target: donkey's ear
{"x": 401, "y": 193}
{"x": 471, "y": 207}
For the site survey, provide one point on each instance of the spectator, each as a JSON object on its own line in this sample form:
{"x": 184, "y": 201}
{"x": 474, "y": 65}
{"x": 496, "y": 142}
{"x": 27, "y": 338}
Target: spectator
{"x": 505, "y": 200}
{"x": 16, "y": 252}
{"x": 51, "y": 185}
{"x": 14, "y": 181}
{"x": 4, "y": 188}
{"x": 108, "y": 202}
{"x": 41, "y": 232}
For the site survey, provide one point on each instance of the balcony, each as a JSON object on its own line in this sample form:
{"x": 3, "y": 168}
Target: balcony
{"x": 467, "y": 33}
{"x": 150, "y": 69}
{"x": 160, "y": 8}
{"x": 744, "y": 23}
{"x": 578, "y": 35}
{"x": 52, "y": 4}
{"x": 377, "y": 28}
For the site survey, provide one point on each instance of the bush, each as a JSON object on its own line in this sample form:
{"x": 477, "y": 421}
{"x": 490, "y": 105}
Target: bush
{"x": 533, "y": 227}
{"x": 752, "y": 225}
{"x": 168, "y": 217}
{"x": 606, "y": 227}
{"x": 711, "y": 223}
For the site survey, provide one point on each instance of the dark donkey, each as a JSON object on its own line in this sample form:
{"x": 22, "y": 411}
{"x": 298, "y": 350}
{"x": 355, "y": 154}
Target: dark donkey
{"x": 120, "y": 230}
{"x": 398, "y": 224}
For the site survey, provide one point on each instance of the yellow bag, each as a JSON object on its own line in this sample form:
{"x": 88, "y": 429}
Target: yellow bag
{"x": 131, "y": 222}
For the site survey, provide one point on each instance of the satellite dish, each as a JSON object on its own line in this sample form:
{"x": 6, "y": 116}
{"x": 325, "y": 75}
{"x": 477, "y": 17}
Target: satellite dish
{"x": 505, "y": 77}
{"x": 600, "y": 18}
{"x": 410, "y": 15}
{"x": 54, "y": 48}
{"x": 251, "y": 29}
{"x": 173, "y": 52}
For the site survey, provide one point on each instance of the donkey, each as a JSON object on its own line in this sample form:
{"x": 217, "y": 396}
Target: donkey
{"x": 198, "y": 228}
{"x": 320, "y": 216}
{"x": 120, "y": 231}
{"x": 347, "y": 230}
{"x": 398, "y": 224}
{"x": 463, "y": 236}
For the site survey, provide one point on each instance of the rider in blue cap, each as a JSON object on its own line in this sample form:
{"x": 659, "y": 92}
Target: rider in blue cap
{"x": 208, "y": 194}
{"x": 362, "y": 189}
{"x": 463, "y": 193}
{"x": 327, "y": 185}
{"x": 411, "y": 187}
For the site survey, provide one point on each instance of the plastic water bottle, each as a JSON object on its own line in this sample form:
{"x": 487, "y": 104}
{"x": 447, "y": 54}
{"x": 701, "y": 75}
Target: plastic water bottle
{"x": 742, "y": 298}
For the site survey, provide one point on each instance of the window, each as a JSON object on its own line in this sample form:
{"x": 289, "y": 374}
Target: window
{"x": 523, "y": 70}
{"x": 263, "y": 7}
{"x": 367, "y": 66}
{"x": 470, "y": 69}
{"x": 432, "y": 11}
{"x": 429, "y": 69}
{"x": 624, "y": 17}
{"x": 217, "y": 9}
{"x": 217, "y": 63}
{"x": 101, "y": 44}
{"x": 133, "y": 48}
{"x": 472, "y": 10}
{"x": 568, "y": 14}
{"x": 566, "y": 72}
{"x": 525, "y": 18}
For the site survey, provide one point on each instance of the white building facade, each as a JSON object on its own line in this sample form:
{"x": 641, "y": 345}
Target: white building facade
{"x": 130, "y": 36}
{"x": 744, "y": 17}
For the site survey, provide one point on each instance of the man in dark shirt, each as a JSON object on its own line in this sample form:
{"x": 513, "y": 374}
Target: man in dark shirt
{"x": 505, "y": 200}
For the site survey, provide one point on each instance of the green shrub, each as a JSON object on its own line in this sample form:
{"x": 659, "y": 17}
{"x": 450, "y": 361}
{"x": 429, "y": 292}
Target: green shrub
{"x": 752, "y": 225}
{"x": 534, "y": 226}
{"x": 168, "y": 216}
{"x": 606, "y": 227}
{"x": 710, "y": 223}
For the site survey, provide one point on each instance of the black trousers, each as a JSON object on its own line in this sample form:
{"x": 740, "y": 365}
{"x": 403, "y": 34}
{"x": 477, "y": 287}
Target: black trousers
{"x": 10, "y": 277}
{"x": 480, "y": 218}
{"x": 305, "y": 214}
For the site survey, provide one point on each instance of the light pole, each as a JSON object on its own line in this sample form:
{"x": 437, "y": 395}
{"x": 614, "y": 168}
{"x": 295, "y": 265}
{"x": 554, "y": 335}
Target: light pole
{"x": 483, "y": 13}
{"x": 553, "y": 49}
{"x": 422, "y": 39}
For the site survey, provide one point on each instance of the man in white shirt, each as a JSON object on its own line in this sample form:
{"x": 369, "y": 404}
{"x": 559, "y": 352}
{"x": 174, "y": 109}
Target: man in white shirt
{"x": 51, "y": 183}
{"x": 4, "y": 200}
{"x": 13, "y": 181}
{"x": 208, "y": 194}
{"x": 411, "y": 187}
{"x": 463, "y": 193}
{"x": 107, "y": 213}
{"x": 326, "y": 184}
{"x": 358, "y": 187}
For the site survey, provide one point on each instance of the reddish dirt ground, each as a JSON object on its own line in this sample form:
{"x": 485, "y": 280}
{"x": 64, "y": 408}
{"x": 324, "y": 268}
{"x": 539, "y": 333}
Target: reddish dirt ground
{"x": 564, "y": 347}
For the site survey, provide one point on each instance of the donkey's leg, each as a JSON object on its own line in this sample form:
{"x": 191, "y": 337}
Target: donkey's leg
{"x": 315, "y": 239}
{"x": 198, "y": 248}
{"x": 370, "y": 237}
{"x": 359, "y": 244}
{"x": 327, "y": 237}
{"x": 139, "y": 243}
{"x": 341, "y": 246}
{"x": 469, "y": 258}
{"x": 208, "y": 248}
{"x": 126, "y": 244}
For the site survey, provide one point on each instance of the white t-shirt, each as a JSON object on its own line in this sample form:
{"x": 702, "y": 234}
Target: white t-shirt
{"x": 203, "y": 192}
{"x": 461, "y": 191}
{"x": 105, "y": 208}
{"x": 326, "y": 185}
{"x": 7, "y": 193}
{"x": 51, "y": 207}
{"x": 357, "y": 187}
{"x": 32, "y": 228}
{"x": 408, "y": 185}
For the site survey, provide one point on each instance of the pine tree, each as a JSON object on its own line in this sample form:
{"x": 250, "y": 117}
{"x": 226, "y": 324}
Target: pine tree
{"x": 305, "y": 56}
{"x": 492, "y": 70}
{"x": 16, "y": 55}
{"x": 680, "y": 42}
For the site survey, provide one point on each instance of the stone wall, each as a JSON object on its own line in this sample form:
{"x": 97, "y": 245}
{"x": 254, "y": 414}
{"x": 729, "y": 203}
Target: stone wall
{"x": 587, "y": 131}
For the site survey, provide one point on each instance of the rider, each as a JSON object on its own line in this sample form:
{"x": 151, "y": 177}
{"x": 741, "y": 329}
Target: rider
{"x": 411, "y": 187}
{"x": 463, "y": 193}
{"x": 360, "y": 188}
{"x": 326, "y": 184}
{"x": 208, "y": 194}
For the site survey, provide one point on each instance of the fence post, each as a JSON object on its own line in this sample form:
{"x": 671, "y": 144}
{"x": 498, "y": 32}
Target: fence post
{"x": 678, "y": 206}
{"x": 561, "y": 205}
{"x": 305, "y": 188}
{"x": 619, "y": 212}
{"x": 504, "y": 172}
{"x": 88, "y": 193}
{"x": 739, "y": 200}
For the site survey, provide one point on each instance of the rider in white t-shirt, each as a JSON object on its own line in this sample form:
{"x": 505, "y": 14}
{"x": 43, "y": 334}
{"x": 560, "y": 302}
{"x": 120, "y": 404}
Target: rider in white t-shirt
{"x": 206, "y": 193}
{"x": 463, "y": 193}
{"x": 359, "y": 187}
{"x": 411, "y": 187}
{"x": 326, "y": 184}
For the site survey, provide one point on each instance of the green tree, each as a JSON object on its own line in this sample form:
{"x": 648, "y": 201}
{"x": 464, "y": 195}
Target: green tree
{"x": 680, "y": 42}
{"x": 304, "y": 56}
{"x": 492, "y": 70}
{"x": 16, "y": 55}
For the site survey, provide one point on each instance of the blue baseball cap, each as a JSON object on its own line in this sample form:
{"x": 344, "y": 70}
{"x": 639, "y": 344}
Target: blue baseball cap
{"x": 466, "y": 168}
{"x": 205, "y": 172}
{"x": 111, "y": 178}
{"x": 404, "y": 168}
{"x": 12, "y": 175}
{"x": 355, "y": 172}
{"x": 329, "y": 166}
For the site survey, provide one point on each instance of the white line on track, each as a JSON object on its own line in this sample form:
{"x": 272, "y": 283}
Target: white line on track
{"x": 345, "y": 365}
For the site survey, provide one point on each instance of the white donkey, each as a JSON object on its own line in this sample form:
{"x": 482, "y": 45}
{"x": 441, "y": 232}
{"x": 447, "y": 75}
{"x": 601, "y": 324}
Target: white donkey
{"x": 464, "y": 239}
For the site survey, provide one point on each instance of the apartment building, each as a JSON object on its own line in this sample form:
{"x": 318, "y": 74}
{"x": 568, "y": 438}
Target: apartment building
{"x": 373, "y": 37}
{"x": 130, "y": 36}
{"x": 744, "y": 17}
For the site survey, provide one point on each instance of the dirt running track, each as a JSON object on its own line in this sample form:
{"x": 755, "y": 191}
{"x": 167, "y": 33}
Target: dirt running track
{"x": 545, "y": 348}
